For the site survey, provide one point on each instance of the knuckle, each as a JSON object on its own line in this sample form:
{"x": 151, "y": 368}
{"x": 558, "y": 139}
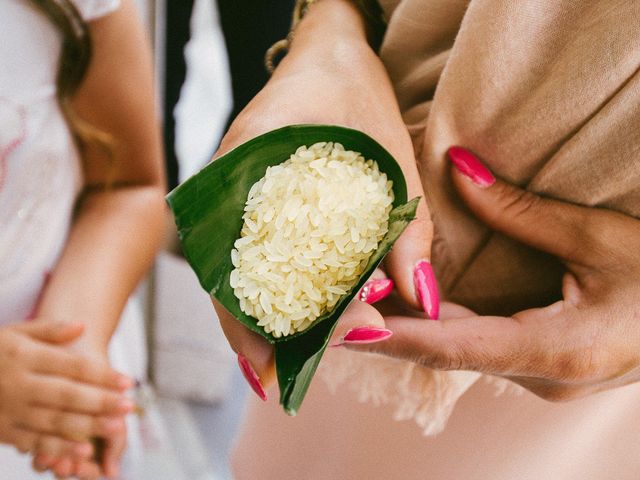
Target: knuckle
{"x": 109, "y": 402}
{"x": 446, "y": 358}
{"x": 576, "y": 366}
{"x": 518, "y": 203}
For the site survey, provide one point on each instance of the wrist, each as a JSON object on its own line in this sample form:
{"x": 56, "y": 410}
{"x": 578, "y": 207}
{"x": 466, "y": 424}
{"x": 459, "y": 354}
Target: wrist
{"x": 331, "y": 32}
{"x": 326, "y": 20}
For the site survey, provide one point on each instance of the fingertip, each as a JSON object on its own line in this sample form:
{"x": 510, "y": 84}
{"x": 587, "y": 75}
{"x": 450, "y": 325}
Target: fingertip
{"x": 124, "y": 382}
{"x": 63, "y": 468}
{"x": 375, "y": 290}
{"x": 83, "y": 450}
{"x": 252, "y": 377}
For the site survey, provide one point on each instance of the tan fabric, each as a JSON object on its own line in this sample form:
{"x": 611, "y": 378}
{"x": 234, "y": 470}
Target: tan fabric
{"x": 547, "y": 93}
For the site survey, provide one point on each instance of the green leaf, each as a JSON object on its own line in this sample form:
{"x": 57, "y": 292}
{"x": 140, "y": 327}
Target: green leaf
{"x": 208, "y": 210}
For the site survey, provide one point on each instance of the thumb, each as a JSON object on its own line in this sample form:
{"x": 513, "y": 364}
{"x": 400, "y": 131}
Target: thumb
{"x": 56, "y": 332}
{"x": 549, "y": 225}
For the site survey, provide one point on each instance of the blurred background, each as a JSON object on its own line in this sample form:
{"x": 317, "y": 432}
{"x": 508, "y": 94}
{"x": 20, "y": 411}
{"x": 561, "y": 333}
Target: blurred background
{"x": 209, "y": 64}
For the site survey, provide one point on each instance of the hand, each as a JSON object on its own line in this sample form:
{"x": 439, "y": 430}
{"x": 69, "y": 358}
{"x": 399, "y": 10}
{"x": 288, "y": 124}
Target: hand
{"x": 53, "y": 401}
{"x": 106, "y": 461}
{"x": 587, "y": 342}
{"x": 332, "y": 76}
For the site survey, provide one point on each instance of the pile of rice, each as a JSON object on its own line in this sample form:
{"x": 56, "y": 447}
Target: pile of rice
{"x": 310, "y": 226}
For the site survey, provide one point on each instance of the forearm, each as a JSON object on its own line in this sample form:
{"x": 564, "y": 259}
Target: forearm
{"x": 118, "y": 222}
{"x": 111, "y": 245}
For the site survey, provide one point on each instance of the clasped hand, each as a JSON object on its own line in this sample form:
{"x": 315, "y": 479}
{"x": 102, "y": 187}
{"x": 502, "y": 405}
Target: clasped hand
{"x": 52, "y": 400}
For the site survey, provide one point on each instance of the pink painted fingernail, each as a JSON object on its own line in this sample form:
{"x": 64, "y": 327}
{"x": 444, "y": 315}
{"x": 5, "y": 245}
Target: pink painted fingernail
{"x": 472, "y": 168}
{"x": 427, "y": 289}
{"x": 375, "y": 290}
{"x": 366, "y": 335}
{"x": 252, "y": 377}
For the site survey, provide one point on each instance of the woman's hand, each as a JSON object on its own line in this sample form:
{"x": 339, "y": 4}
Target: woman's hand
{"x": 332, "y": 76}
{"x": 587, "y": 342}
{"x": 105, "y": 460}
{"x": 53, "y": 401}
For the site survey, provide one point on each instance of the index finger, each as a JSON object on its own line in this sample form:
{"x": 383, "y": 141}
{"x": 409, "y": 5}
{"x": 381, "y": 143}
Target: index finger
{"x": 492, "y": 345}
{"x": 55, "y": 361}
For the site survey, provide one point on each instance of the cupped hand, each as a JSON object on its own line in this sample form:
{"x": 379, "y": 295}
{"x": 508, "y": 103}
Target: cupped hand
{"x": 51, "y": 400}
{"x": 587, "y": 342}
{"x": 326, "y": 79}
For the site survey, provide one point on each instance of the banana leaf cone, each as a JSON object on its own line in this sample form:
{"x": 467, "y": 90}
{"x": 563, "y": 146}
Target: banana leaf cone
{"x": 208, "y": 210}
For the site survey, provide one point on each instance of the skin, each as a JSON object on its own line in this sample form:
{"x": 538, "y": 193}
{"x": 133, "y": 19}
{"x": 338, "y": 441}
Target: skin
{"x": 585, "y": 343}
{"x": 49, "y": 395}
{"x": 332, "y": 76}
{"x": 105, "y": 256}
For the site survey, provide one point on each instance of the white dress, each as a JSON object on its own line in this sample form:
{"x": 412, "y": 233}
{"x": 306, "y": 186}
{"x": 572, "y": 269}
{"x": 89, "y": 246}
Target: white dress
{"x": 40, "y": 178}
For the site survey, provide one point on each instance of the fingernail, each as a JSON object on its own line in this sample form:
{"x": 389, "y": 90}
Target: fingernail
{"x": 252, "y": 377}
{"x": 126, "y": 405}
{"x": 427, "y": 289}
{"x": 366, "y": 335}
{"x": 472, "y": 168}
{"x": 375, "y": 290}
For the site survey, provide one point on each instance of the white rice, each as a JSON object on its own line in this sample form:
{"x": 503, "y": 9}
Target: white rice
{"x": 310, "y": 226}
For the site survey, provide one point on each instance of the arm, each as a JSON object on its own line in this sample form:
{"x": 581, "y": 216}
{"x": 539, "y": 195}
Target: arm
{"x": 119, "y": 218}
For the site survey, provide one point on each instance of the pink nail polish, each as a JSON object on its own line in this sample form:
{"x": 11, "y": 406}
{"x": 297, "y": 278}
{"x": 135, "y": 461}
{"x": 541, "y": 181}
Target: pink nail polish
{"x": 472, "y": 168}
{"x": 366, "y": 335}
{"x": 375, "y": 290}
{"x": 427, "y": 289}
{"x": 252, "y": 377}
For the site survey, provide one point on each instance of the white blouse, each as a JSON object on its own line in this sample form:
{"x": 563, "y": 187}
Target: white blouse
{"x": 40, "y": 170}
